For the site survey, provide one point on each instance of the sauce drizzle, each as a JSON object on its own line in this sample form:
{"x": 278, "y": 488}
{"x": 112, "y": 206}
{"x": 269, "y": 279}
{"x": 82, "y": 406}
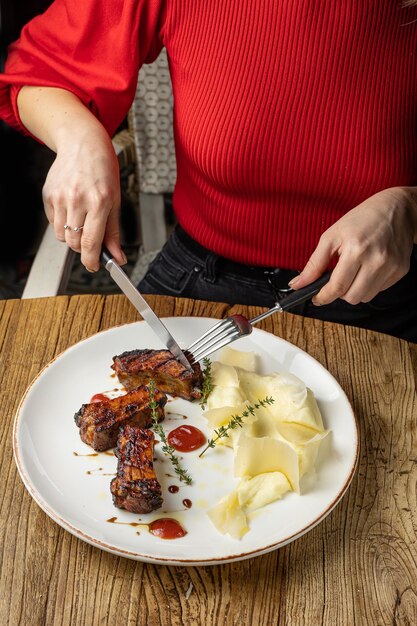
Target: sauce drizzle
{"x": 99, "y": 469}
{"x": 113, "y": 520}
{"x": 167, "y": 528}
{"x": 186, "y": 438}
{"x": 99, "y": 397}
{"x": 164, "y": 527}
{"x": 79, "y": 454}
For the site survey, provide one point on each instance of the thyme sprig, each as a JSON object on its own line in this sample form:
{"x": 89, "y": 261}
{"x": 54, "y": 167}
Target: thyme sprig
{"x": 207, "y": 382}
{"x": 237, "y": 420}
{"x": 183, "y": 475}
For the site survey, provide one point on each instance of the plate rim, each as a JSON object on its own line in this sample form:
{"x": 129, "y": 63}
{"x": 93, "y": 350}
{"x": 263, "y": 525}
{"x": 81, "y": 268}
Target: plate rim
{"x": 161, "y": 560}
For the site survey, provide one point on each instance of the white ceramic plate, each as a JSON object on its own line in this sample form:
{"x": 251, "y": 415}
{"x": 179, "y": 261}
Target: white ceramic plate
{"x": 74, "y": 490}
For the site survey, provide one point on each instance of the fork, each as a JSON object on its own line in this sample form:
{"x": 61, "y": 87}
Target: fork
{"x": 237, "y": 326}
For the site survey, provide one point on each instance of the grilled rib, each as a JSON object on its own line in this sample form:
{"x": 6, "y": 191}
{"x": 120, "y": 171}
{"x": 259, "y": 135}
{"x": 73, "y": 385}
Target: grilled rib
{"x": 99, "y": 422}
{"x": 137, "y": 367}
{"x": 135, "y": 488}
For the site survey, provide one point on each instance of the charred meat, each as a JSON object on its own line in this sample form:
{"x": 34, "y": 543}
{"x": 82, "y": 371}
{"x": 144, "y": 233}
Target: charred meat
{"x": 135, "y": 487}
{"x": 137, "y": 367}
{"x": 99, "y": 422}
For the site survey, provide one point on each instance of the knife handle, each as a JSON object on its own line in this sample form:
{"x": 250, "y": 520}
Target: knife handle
{"x": 301, "y": 295}
{"x": 105, "y": 256}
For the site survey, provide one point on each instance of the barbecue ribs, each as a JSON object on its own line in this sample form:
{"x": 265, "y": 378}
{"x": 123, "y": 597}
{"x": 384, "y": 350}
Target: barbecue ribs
{"x": 137, "y": 367}
{"x": 135, "y": 487}
{"x": 99, "y": 422}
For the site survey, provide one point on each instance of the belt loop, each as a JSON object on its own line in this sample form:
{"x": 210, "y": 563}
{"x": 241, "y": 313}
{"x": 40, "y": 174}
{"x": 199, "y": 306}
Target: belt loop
{"x": 210, "y": 273}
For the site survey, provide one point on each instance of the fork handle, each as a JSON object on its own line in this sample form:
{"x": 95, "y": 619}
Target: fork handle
{"x": 301, "y": 295}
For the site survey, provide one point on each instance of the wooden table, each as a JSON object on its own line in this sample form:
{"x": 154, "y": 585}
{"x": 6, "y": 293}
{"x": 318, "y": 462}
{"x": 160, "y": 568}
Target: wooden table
{"x": 358, "y": 567}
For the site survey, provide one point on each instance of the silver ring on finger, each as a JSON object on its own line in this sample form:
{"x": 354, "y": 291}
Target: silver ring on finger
{"x": 76, "y": 229}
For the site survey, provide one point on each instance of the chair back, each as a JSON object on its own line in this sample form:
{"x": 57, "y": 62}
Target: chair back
{"x": 151, "y": 122}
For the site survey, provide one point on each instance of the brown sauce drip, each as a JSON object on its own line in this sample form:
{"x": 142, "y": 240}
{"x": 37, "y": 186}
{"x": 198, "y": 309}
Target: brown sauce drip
{"x": 113, "y": 520}
{"x": 92, "y": 454}
{"x": 173, "y": 489}
{"x": 187, "y": 503}
{"x": 99, "y": 469}
{"x": 176, "y": 415}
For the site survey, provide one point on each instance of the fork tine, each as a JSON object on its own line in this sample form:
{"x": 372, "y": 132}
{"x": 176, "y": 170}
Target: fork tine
{"x": 216, "y": 343}
{"x": 210, "y": 349}
{"x": 198, "y": 341}
{"x": 216, "y": 333}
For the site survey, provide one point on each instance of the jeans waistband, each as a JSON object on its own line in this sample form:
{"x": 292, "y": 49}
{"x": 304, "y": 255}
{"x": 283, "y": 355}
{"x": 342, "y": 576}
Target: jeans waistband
{"x": 279, "y": 276}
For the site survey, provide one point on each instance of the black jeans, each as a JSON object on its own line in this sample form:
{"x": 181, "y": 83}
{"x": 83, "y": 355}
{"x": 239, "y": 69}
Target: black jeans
{"x": 184, "y": 268}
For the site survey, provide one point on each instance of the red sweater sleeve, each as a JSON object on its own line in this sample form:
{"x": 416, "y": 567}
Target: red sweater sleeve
{"x": 92, "y": 48}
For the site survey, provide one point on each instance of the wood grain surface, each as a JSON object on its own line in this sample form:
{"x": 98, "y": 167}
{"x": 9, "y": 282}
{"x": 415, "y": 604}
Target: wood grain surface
{"x": 358, "y": 567}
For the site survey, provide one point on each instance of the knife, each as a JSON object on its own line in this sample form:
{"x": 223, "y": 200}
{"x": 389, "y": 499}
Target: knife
{"x": 139, "y": 302}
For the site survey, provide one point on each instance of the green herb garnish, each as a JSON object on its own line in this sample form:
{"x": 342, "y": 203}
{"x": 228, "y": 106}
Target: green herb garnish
{"x": 237, "y": 420}
{"x": 166, "y": 448}
{"x": 207, "y": 382}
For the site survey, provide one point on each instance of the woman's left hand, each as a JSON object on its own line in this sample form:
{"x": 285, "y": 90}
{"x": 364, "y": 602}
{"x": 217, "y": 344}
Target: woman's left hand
{"x": 374, "y": 243}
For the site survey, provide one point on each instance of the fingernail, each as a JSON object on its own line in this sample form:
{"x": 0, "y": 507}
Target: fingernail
{"x": 293, "y": 281}
{"x": 314, "y": 301}
{"x": 124, "y": 258}
{"x": 90, "y": 270}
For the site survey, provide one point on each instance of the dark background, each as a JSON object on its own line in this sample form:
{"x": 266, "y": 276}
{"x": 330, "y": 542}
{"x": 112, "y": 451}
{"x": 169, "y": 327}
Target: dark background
{"x": 25, "y": 163}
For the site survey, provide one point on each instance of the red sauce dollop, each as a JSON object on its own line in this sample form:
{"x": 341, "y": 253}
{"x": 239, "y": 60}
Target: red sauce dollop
{"x": 186, "y": 438}
{"x": 98, "y": 397}
{"x": 167, "y": 528}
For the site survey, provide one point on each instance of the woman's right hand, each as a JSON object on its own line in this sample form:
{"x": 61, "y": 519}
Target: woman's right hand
{"x": 82, "y": 190}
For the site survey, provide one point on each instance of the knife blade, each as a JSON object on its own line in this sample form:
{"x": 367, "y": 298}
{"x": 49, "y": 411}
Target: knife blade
{"x": 139, "y": 302}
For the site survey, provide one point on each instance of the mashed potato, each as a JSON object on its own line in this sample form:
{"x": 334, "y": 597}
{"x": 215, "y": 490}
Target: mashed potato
{"x": 274, "y": 448}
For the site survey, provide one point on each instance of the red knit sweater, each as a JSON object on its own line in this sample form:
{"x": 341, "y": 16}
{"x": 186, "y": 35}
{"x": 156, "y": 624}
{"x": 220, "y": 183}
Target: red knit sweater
{"x": 288, "y": 113}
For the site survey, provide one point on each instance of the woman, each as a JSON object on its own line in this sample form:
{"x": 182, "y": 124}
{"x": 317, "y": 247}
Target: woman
{"x": 296, "y": 143}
